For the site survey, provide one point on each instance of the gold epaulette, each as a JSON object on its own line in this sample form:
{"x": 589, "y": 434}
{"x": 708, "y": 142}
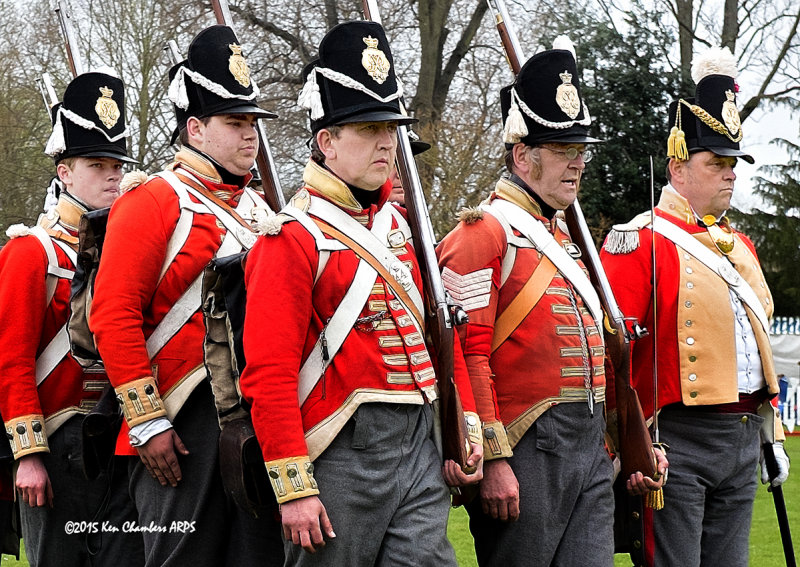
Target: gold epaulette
{"x": 624, "y": 238}
{"x": 292, "y": 478}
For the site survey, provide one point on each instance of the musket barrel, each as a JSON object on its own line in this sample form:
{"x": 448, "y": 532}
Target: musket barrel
{"x": 273, "y": 193}
{"x": 65, "y": 19}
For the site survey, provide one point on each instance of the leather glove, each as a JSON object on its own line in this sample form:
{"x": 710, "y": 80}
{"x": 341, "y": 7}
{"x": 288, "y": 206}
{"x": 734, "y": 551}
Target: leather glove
{"x": 782, "y": 460}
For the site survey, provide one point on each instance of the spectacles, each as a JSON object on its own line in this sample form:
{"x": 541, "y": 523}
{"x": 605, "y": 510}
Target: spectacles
{"x": 573, "y": 152}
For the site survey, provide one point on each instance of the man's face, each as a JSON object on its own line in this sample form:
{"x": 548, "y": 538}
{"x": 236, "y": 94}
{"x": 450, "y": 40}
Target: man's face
{"x": 363, "y": 154}
{"x": 560, "y": 176}
{"x": 93, "y": 180}
{"x": 229, "y": 139}
{"x": 706, "y": 180}
{"x": 398, "y": 194}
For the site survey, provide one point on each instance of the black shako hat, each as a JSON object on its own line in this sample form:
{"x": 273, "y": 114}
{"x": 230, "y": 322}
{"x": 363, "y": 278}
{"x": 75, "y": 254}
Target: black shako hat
{"x": 544, "y": 103}
{"x": 90, "y": 120}
{"x": 213, "y": 79}
{"x": 709, "y": 121}
{"x": 353, "y": 79}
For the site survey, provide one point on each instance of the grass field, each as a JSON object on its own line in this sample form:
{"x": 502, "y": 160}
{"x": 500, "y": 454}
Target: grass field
{"x": 765, "y": 542}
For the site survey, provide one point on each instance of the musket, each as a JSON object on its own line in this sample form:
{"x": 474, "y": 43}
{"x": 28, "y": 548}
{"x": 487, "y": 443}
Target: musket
{"x": 45, "y": 84}
{"x": 636, "y": 446}
{"x": 264, "y": 160}
{"x": 65, "y": 19}
{"x": 455, "y": 438}
{"x": 780, "y": 505}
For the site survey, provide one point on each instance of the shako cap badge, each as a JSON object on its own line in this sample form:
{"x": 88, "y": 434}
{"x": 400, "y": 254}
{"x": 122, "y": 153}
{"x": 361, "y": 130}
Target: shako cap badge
{"x": 374, "y": 61}
{"x": 106, "y": 108}
{"x": 238, "y": 65}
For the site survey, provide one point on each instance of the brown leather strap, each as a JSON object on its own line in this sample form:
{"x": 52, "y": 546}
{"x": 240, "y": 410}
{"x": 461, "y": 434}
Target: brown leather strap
{"x": 526, "y": 299}
{"x": 362, "y": 253}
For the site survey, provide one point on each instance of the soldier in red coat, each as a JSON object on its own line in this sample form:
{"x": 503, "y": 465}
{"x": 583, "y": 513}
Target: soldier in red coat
{"x": 534, "y": 343}
{"x": 338, "y": 372}
{"x": 147, "y": 319}
{"x": 716, "y": 375}
{"x": 46, "y": 392}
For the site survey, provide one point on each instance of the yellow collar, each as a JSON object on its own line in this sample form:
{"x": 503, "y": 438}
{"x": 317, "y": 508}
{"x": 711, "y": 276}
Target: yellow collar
{"x": 69, "y": 211}
{"x": 199, "y": 165}
{"x": 331, "y": 187}
{"x": 675, "y": 205}
{"x": 512, "y": 192}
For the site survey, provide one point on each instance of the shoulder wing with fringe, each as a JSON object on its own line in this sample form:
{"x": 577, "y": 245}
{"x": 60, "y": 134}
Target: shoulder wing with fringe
{"x": 624, "y": 238}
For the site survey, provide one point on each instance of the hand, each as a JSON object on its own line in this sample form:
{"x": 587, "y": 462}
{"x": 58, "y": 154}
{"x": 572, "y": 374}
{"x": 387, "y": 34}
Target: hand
{"x": 158, "y": 456}
{"x": 33, "y": 482}
{"x": 304, "y": 520}
{"x": 454, "y": 476}
{"x": 781, "y": 459}
{"x": 500, "y": 491}
{"x": 639, "y": 484}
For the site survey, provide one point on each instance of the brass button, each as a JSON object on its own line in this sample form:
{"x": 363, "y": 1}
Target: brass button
{"x": 692, "y": 377}
{"x": 472, "y": 421}
{"x": 692, "y": 394}
{"x": 692, "y": 358}
{"x": 688, "y": 305}
{"x": 690, "y": 341}
{"x": 689, "y": 285}
{"x": 744, "y": 419}
{"x": 688, "y": 323}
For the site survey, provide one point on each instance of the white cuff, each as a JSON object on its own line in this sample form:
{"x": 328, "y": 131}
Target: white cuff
{"x": 142, "y": 433}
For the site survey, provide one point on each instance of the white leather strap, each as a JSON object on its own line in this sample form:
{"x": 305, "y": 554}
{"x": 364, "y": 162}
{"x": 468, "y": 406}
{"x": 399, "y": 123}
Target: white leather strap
{"x": 717, "y": 264}
{"x": 191, "y": 299}
{"x": 374, "y": 243}
{"x": 58, "y": 347}
{"x": 543, "y": 241}
{"x": 345, "y": 316}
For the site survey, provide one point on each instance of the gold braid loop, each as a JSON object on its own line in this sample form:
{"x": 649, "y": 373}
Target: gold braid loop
{"x": 712, "y": 122}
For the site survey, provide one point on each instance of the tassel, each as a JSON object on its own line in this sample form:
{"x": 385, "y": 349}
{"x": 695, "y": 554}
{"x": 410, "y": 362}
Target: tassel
{"x": 515, "y": 128}
{"x": 53, "y": 190}
{"x": 56, "y": 143}
{"x": 676, "y": 144}
{"x": 177, "y": 90}
{"x": 132, "y": 180}
{"x": 310, "y": 99}
{"x": 17, "y": 230}
{"x": 655, "y": 500}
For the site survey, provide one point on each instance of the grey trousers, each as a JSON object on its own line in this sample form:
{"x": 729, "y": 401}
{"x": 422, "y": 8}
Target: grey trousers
{"x": 382, "y": 487}
{"x": 566, "y": 501}
{"x": 708, "y": 498}
{"x": 196, "y": 525}
{"x": 71, "y": 533}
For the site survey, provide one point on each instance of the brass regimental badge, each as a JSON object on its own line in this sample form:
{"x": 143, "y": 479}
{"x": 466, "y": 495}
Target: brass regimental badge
{"x": 567, "y": 96}
{"x": 730, "y": 115}
{"x": 374, "y": 61}
{"x": 238, "y": 66}
{"x": 720, "y": 233}
{"x": 106, "y": 108}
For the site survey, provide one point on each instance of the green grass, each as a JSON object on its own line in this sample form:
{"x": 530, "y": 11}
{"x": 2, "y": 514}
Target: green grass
{"x": 765, "y": 541}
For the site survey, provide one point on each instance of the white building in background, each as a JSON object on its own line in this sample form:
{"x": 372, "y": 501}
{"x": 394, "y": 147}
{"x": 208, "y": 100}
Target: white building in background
{"x": 785, "y": 340}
